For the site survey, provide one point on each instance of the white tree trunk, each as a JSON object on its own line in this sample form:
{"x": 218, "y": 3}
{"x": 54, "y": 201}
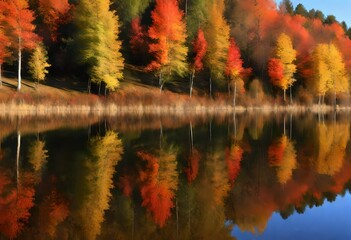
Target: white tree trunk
{"x": 19, "y": 63}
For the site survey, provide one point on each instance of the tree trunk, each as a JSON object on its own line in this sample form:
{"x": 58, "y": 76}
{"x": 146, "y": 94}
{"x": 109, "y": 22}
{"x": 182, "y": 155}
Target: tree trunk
{"x": 19, "y": 63}
{"x": 228, "y": 86}
{"x": 99, "y": 88}
{"x": 334, "y": 100}
{"x": 234, "y": 95}
{"x": 89, "y": 85}
{"x": 323, "y": 99}
{"x": 192, "y": 82}
{"x": 319, "y": 100}
{"x": 211, "y": 130}
{"x": 106, "y": 90}
{"x": 284, "y": 94}
{"x": 186, "y": 8}
{"x": 18, "y": 154}
{"x": 160, "y": 82}
{"x": 0, "y": 76}
{"x": 191, "y": 137}
{"x": 211, "y": 85}
{"x": 291, "y": 100}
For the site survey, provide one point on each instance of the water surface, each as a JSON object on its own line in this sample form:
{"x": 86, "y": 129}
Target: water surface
{"x": 228, "y": 177}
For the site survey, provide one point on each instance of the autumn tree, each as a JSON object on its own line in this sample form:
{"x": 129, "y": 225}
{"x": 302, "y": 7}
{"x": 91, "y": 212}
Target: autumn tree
{"x": 217, "y": 35}
{"x": 197, "y": 16}
{"x": 234, "y": 68}
{"x": 37, "y": 154}
{"x": 159, "y": 181}
{"x": 4, "y": 41}
{"x": 329, "y": 71}
{"x": 54, "y": 13}
{"x": 137, "y": 42}
{"x": 131, "y": 9}
{"x": 200, "y": 48}
{"x": 97, "y": 42}
{"x": 168, "y": 35}
{"x": 285, "y": 55}
{"x": 282, "y": 155}
{"x": 105, "y": 154}
{"x": 38, "y": 64}
{"x": 19, "y": 18}
{"x": 233, "y": 156}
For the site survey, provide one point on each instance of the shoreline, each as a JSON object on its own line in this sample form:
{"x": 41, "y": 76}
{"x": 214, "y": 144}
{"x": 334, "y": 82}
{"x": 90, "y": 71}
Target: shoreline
{"x": 112, "y": 109}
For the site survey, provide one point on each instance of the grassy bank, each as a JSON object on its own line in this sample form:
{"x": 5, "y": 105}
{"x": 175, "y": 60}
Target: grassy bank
{"x": 59, "y": 97}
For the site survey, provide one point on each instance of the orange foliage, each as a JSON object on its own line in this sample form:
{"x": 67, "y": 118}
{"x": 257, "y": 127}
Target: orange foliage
{"x": 54, "y": 14}
{"x": 157, "y": 188}
{"x": 193, "y": 165}
{"x": 233, "y": 157}
{"x": 275, "y": 71}
{"x": 200, "y": 48}
{"x": 19, "y": 18}
{"x": 52, "y": 211}
{"x": 166, "y": 31}
{"x": 15, "y": 203}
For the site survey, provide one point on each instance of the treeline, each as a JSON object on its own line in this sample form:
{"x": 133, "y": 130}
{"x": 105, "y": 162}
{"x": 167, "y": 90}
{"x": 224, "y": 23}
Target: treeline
{"x": 220, "y": 45}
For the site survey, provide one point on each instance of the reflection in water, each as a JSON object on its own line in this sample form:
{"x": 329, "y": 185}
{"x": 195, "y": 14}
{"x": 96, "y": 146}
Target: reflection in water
{"x": 188, "y": 179}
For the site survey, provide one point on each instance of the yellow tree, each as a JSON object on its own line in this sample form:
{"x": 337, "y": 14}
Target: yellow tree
{"x": 282, "y": 155}
{"x": 37, "y": 155}
{"x": 332, "y": 142}
{"x": 38, "y": 63}
{"x": 321, "y": 76}
{"x": 329, "y": 71}
{"x": 106, "y": 152}
{"x": 285, "y": 54}
{"x": 97, "y": 42}
{"x": 217, "y": 35}
{"x": 339, "y": 81}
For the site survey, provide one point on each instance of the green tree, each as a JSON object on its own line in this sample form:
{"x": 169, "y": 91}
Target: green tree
{"x": 38, "y": 63}
{"x": 288, "y": 6}
{"x": 330, "y": 19}
{"x": 301, "y": 10}
{"x": 130, "y": 9}
{"x": 97, "y": 42}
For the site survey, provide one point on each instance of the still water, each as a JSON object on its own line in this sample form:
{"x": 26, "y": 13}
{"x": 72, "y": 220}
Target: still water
{"x": 227, "y": 177}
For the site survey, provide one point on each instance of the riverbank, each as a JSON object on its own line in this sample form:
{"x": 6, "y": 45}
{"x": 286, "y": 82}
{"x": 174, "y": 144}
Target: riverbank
{"x": 132, "y": 99}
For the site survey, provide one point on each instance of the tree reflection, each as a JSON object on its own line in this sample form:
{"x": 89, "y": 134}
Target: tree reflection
{"x": 159, "y": 181}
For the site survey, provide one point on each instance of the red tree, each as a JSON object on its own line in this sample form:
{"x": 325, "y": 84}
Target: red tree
{"x": 200, "y": 49}
{"x": 55, "y": 13}
{"x": 275, "y": 71}
{"x": 168, "y": 34}
{"x": 19, "y": 20}
{"x": 193, "y": 165}
{"x": 4, "y": 41}
{"x": 137, "y": 39}
{"x": 234, "y": 67}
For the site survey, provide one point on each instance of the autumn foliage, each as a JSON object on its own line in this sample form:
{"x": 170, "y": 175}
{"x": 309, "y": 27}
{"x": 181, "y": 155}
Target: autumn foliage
{"x": 158, "y": 184}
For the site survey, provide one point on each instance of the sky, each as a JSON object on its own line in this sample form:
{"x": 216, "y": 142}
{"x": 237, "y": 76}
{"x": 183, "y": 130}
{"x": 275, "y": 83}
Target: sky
{"x": 339, "y": 8}
{"x": 326, "y": 222}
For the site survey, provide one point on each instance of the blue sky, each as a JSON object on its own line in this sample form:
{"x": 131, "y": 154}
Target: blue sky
{"x": 339, "y": 8}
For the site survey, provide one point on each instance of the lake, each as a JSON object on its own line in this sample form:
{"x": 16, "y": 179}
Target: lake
{"x": 243, "y": 176}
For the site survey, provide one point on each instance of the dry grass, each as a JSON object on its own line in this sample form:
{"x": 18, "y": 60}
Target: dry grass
{"x": 131, "y": 99}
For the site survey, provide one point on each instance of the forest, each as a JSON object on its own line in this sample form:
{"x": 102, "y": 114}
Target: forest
{"x": 242, "y": 50}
